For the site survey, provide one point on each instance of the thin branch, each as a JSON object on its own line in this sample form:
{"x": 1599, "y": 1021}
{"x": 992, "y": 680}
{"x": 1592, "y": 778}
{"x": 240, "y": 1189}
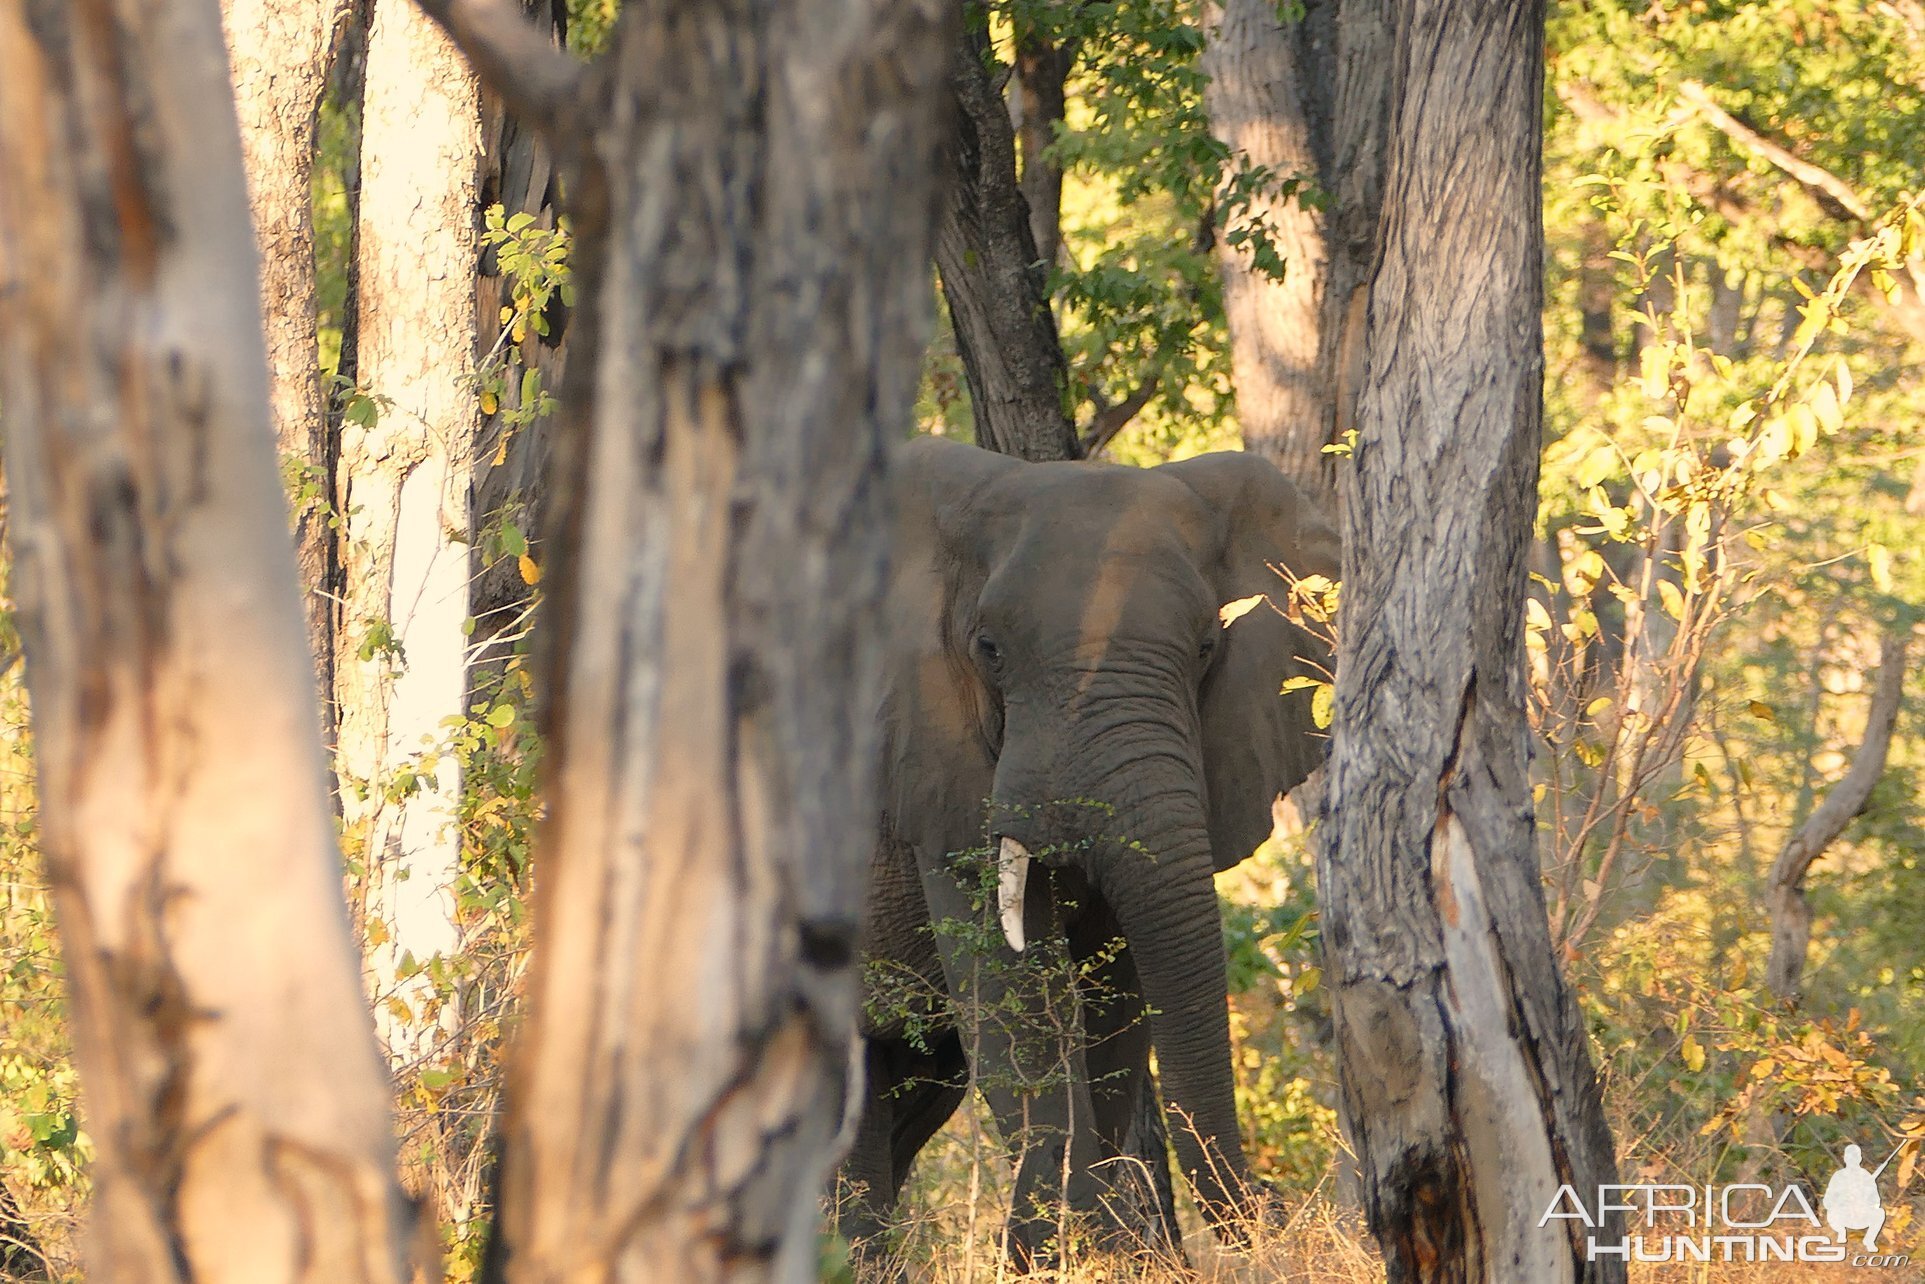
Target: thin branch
{"x": 1110, "y": 420}
{"x": 517, "y": 59}
{"x": 1830, "y": 190}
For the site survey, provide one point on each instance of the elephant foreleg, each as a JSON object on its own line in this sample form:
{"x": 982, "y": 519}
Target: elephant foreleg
{"x": 1129, "y": 1118}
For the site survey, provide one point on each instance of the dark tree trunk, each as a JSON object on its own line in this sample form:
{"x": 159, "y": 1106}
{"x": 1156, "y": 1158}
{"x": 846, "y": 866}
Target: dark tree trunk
{"x": 1465, "y": 1075}
{"x": 752, "y": 190}
{"x": 993, "y": 276}
{"x": 1042, "y": 75}
{"x": 518, "y": 172}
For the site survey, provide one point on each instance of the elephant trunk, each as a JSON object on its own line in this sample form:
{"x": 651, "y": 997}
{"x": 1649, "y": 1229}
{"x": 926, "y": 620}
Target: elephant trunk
{"x": 1167, "y": 906}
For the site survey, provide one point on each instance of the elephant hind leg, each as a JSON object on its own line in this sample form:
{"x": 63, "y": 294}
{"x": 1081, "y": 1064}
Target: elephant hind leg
{"x": 930, "y": 1087}
{"x": 910, "y": 1094}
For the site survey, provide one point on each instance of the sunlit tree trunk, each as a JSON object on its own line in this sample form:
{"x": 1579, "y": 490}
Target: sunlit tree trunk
{"x": 752, "y": 193}
{"x": 406, "y": 460}
{"x": 279, "y": 53}
{"x": 1466, "y": 1080}
{"x": 233, "y": 1088}
{"x": 1269, "y": 89}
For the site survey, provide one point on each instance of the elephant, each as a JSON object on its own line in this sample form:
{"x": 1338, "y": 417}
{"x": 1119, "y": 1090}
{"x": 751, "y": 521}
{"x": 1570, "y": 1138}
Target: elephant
{"x": 1060, "y": 694}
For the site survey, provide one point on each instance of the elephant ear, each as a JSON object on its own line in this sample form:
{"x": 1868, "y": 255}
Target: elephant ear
{"x": 939, "y": 723}
{"x": 1258, "y": 741}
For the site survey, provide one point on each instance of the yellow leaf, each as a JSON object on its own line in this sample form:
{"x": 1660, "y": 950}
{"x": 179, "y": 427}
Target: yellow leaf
{"x": 1843, "y": 375}
{"x": 1759, "y": 709}
{"x": 1824, "y": 404}
{"x": 1878, "y": 560}
{"x": 1231, "y": 612}
{"x": 1804, "y": 428}
{"x": 1763, "y": 1069}
{"x": 1309, "y": 979}
{"x": 530, "y": 573}
{"x": 1582, "y": 572}
{"x": 1693, "y": 1053}
{"x": 1673, "y": 599}
{"x": 1597, "y": 706}
{"x": 1323, "y": 705}
{"x": 489, "y": 403}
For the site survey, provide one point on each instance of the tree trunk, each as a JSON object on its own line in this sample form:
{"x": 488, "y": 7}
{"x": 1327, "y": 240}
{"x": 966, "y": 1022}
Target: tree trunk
{"x": 1269, "y": 87}
{"x": 279, "y": 53}
{"x": 233, "y": 1089}
{"x": 518, "y": 173}
{"x": 1039, "y": 101}
{"x": 404, "y": 479}
{"x": 1790, "y": 913}
{"x": 993, "y": 277}
{"x": 1464, "y": 1070}
{"x": 751, "y": 188}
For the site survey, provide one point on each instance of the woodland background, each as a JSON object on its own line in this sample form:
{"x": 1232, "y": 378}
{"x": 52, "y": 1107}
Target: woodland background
{"x": 1731, "y": 223}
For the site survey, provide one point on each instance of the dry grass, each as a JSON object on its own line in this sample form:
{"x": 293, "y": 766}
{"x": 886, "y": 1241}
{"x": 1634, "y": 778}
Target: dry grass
{"x": 952, "y": 1221}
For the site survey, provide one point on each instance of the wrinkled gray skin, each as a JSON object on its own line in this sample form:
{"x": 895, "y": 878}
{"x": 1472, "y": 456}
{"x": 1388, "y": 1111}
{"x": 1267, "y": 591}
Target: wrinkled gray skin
{"x": 1058, "y": 653}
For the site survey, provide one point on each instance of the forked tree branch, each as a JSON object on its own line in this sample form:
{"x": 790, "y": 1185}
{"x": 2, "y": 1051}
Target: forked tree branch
{"x": 516, "y": 59}
{"x": 1790, "y": 914}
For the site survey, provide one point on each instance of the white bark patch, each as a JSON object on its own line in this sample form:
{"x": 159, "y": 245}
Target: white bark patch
{"x": 1513, "y": 1174}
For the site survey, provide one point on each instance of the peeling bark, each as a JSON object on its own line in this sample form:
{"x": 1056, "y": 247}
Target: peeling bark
{"x": 752, "y": 190}
{"x": 231, "y": 1082}
{"x": 404, "y": 486}
{"x": 1466, "y": 1079}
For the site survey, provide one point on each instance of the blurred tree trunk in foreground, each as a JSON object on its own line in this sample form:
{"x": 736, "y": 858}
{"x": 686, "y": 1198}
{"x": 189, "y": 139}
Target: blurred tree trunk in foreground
{"x": 751, "y": 189}
{"x": 407, "y": 446}
{"x": 279, "y": 53}
{"x": 233, "y": 1086}
{"x": 1466, "y": 1080}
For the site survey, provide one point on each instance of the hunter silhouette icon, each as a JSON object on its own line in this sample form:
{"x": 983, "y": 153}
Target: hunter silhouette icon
{"x": 1851, "y": 1199}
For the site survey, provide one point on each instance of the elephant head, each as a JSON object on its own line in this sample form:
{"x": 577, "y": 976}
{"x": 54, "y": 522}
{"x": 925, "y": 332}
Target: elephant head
{"x": 1061, "y": 682}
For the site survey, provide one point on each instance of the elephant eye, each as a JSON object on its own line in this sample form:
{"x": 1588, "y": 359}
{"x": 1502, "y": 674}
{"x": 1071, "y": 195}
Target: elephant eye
{"x": 1207, "y": 647}
{"x": 990, "y": 652}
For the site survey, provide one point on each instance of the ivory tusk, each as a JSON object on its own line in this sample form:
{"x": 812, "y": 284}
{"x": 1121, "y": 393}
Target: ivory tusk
{"x": 1012, "y": 880}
